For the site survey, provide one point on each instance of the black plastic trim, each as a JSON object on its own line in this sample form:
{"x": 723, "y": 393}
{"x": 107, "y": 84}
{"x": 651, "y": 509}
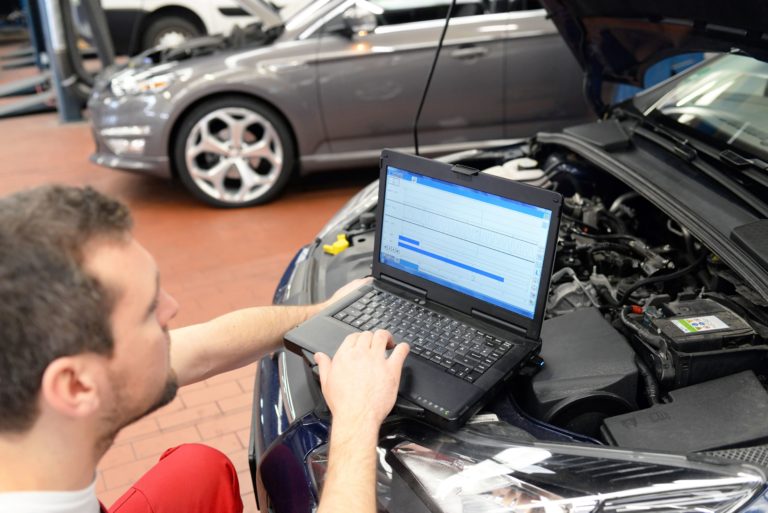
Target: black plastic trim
{"x": 233, "y": 11}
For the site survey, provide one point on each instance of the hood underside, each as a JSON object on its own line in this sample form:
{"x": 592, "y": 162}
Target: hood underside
{"x": 617, "y": 40}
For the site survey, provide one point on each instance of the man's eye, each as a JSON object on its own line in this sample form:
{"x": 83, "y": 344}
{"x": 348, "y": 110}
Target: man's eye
{"x": 152, "y": 308}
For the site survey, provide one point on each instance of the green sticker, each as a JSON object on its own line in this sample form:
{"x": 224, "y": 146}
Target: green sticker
{"x": 698, "y": 324}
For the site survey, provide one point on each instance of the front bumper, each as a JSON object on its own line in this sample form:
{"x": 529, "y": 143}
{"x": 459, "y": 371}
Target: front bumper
{"x": 159, "y": 166}
{"x": 129, "y": 133}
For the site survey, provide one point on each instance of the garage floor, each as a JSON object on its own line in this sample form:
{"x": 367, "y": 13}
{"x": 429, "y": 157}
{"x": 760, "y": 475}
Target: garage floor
{"x": 211, "y": 260}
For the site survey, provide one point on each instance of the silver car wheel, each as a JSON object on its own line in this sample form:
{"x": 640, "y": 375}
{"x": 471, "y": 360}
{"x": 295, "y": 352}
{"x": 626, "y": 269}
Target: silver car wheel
{"x": 234, "y": 155}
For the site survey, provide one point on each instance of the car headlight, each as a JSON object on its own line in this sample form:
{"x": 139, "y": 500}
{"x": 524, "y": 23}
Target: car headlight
{"x": 484, "y": 473}
{"x": 283, "y": 289}
{"x": 128, "y": 84}
{"x": 569, "y": 479}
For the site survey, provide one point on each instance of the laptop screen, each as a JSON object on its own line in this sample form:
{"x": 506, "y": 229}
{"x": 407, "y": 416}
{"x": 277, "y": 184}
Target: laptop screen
{"x": 483, "y": 245}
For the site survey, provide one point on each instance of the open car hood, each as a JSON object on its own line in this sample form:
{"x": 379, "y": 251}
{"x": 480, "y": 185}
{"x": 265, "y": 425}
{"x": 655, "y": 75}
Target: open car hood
{"x": 616, "y": 41}
{"x": 264, "y": 11}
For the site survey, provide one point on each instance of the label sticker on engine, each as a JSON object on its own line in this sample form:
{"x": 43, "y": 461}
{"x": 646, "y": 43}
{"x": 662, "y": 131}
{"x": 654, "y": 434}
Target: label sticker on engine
{"x": 697, "y": 324}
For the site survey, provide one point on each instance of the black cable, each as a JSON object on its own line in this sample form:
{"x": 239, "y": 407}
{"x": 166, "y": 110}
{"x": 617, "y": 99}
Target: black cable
{"x": 649, "y": 380}
{"x": 429, "y": 78}
{"x": 664, "y": 277}
{"x": 647, "y": 337}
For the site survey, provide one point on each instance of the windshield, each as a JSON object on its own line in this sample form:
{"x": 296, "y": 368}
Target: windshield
{"x": 725, "y": 99}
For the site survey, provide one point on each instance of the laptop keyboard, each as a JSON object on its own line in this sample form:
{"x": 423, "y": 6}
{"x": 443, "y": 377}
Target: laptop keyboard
{"x": 458, "y": 348}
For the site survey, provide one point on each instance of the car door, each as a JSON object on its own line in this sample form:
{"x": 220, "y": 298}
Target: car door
{"x": 370, "y": 83}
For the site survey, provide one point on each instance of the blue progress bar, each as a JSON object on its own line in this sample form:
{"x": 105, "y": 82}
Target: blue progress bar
{"x": 452, "y": 262}
{"x": 409, "y": 241}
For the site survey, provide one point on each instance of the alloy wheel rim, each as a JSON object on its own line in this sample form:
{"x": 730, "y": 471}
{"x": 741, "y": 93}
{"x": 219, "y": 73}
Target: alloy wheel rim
{"x": 171, "y": 38}
{"x": 234, "y": 155}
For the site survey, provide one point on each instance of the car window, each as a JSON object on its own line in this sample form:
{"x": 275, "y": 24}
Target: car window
{"x": 409, "y": 11}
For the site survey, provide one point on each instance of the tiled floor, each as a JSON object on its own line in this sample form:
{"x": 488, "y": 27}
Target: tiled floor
{"x": 211, "y": 260}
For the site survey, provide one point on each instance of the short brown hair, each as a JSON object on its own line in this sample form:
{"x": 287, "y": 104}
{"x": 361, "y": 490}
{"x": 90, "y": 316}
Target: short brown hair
{"x": 49, "y": 306}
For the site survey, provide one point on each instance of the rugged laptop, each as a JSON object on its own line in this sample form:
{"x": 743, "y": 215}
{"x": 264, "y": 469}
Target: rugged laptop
{"x": 462, "y": 263}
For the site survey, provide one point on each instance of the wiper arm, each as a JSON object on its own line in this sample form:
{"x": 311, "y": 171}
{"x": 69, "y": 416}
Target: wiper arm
{"x": 754, "y": 169}
{"x": 689, "y": 152}
{"x": 682, "y": 146}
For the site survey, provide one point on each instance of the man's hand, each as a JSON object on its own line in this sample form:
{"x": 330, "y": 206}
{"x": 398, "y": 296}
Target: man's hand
{"x": 360, "y": 386}
{"x": 346, "y": 289}
{"x": 360, "y": 383}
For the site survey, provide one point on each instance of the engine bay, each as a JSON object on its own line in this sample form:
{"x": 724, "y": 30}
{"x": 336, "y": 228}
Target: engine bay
{"x": 640, "y": 315}
{"x": 648, "y": 333}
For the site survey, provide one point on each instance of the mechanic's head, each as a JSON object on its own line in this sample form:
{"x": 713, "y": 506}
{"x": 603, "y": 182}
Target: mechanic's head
{"x": 83, "y": 320}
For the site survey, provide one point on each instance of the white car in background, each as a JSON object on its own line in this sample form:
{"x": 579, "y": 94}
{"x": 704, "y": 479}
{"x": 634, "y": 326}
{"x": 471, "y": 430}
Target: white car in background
{"x": 137, "y": 25}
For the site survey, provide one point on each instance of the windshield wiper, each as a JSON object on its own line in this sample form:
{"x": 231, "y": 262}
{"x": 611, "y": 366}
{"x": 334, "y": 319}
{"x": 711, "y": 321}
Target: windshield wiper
{"x": 691, "y": 152}
{"x": 754, "y": 169}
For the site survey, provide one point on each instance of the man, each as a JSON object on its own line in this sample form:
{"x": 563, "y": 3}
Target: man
{"x": 85, "y": 350}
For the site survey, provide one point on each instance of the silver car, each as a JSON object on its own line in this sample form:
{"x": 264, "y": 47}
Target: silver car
{"x": 327, "y": 84}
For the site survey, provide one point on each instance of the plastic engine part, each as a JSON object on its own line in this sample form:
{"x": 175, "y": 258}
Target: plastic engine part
{"x": 589, "y": 373}
{"x": 722, "y": 413}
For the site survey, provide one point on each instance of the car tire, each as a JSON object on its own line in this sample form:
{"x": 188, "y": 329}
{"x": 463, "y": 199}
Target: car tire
{"x": 234, "y": 152}
{"x": 171, "y": 29}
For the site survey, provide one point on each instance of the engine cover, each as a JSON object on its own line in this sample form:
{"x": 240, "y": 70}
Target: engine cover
{"x": 589, "y": 373}
{"x": 726, "y": 412}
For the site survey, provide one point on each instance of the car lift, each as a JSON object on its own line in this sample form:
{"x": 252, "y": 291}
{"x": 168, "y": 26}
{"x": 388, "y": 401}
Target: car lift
{"x": 26, "y": 51}
{"x": 63, "y": 82}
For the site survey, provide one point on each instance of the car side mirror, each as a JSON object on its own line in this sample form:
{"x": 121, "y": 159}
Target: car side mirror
{"x": 356, "y": 21}
{"x": 360, "y": 21}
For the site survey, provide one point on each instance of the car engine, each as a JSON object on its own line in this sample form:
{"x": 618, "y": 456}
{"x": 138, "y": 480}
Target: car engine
{"x": 638, "y": 309}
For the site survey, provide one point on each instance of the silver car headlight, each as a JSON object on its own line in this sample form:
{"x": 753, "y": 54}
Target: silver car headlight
{"x": 570, "y": 479}
{"x": 485, "y": 474}
{"x": 128, "y": 84}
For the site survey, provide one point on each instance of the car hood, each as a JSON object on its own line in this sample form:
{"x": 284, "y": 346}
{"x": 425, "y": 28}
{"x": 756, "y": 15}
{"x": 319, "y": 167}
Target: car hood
{"x": 263, "y": 11}
{"x": 616, "y": 41}
{"x": 262, "y": 32}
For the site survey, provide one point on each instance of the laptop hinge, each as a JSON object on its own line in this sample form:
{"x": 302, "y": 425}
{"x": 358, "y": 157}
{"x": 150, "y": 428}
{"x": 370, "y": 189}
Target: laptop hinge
{"x": 500, "y": 322}
{"x": 402, "y": 284}
{"x": 464, "y": 170}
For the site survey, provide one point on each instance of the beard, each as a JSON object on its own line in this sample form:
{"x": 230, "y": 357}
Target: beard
{"x": 166, "y": 396}
{"x": 118, "y": 417}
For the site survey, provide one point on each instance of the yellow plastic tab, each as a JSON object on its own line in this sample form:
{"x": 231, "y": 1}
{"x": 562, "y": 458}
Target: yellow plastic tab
{"x": 337, "y": 247}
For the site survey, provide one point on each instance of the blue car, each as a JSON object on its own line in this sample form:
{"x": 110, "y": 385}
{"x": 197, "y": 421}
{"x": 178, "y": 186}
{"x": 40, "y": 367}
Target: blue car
{"x": 649, "y": 392}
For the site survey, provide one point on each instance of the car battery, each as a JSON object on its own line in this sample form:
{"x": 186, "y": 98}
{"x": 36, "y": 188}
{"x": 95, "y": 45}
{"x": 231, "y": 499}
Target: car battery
{"x": 702, "y": 325}
{"x": 706, "y": 340}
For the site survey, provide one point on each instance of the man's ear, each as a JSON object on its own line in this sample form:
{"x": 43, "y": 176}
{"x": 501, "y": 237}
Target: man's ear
{"x": 74, "y": 385}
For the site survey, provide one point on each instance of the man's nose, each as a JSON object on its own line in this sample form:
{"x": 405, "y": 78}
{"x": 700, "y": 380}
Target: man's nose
{"x": 170, "y": 306}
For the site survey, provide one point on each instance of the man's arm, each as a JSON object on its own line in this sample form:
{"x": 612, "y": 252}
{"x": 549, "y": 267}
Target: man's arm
{"x": 238, "y": 338}
{"x": 360, "y": 386}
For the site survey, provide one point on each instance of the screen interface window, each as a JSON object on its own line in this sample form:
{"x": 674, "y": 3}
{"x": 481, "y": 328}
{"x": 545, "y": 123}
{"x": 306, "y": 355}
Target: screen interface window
{"x": 483, "y": 245}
